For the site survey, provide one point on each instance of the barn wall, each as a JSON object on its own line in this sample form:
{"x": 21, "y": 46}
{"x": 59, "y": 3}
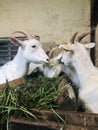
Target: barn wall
{"x": 51, "y": 19}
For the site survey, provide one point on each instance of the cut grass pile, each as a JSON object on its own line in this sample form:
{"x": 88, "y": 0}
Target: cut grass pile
{"x": 37, "y": 92}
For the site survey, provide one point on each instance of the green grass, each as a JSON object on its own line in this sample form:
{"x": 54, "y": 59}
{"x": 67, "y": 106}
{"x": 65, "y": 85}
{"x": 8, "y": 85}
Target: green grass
{"x": 37, "y": 92}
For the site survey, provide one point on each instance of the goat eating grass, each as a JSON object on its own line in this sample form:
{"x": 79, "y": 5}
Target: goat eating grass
{"x": 52, "y": 69}
{"x": 29, "y": 51}
{"x": 77, "y": 56}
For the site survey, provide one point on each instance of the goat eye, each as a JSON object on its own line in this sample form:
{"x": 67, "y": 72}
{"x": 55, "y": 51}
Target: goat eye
{"x": 33, "y": 46}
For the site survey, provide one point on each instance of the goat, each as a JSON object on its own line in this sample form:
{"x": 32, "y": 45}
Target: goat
{"x": 77, "y": 56}
{"x": 55, "y": 67}
{"x": 52, "y": 69}
{"x": 69, "y": 70}
{"x": 29, "y": 51}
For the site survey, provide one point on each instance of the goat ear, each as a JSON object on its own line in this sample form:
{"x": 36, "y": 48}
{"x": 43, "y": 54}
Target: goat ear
{"x": 89, "y": 45}
{"x": 16, "y": 41}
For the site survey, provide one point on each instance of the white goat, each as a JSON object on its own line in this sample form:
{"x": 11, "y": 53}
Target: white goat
{"x": 53, "y": 69}
{"x": 87, "y": 73}
{"x": 69, "y": 69}
{"x": 29, "y": 51}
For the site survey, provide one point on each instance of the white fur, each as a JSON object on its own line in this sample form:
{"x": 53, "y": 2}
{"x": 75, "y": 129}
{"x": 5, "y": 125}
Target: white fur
{"x": 70, "y": 71}
{"x": 53, "y": 69}
{"x": 78, "y": 57}
{"x": 29, "y": 51}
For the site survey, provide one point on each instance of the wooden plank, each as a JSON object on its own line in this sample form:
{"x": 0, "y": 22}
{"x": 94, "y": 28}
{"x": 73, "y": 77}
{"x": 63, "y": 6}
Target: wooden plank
{"x": 71, "y": 118}
{"x": 75, "y": 118}
{"x": 75, "y": 127}
{"x": 13, "y": 83}
{"x": 19, "y": 124}
{"x": 31, "y": 125}
{"x": 83, "y": 119}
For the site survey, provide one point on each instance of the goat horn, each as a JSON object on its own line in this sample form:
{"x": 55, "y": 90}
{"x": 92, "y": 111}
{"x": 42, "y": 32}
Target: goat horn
{"x": 73, "y": 37}
{"x": 80, "y": 37}
{"x": 29, "y": 36}
{"x": 51, "y": 52}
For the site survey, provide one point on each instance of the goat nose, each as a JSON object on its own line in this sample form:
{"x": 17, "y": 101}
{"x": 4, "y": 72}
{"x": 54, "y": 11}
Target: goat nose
{"x": 47, "y": 59}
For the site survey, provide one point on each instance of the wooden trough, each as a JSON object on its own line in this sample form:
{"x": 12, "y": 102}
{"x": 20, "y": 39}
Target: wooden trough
{"x": 13, "y": 83}
{"x": 47, "y": 120}
{"x": 55, "y": 119}
{"x": 66, "y": 118}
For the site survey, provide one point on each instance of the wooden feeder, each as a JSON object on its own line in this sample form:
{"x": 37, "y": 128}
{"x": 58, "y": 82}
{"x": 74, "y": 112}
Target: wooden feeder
{"x": 13, "y": 83}
{"x": 47, "y": 120}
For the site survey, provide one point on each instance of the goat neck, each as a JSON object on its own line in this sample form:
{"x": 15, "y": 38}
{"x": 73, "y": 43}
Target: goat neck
{"x": 21, "y": 62}
{"x": 83, "y": 64}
